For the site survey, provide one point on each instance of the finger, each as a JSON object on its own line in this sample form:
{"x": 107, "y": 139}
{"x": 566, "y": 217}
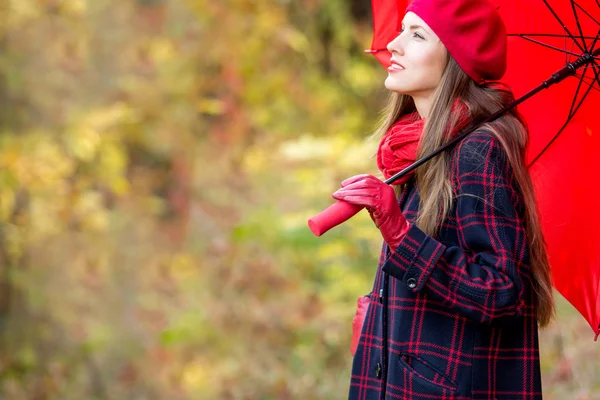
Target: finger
{"x": 358, "y": 191}
{"x": 373, "y": 180}
{"x": 365, "y": 199}
{"x": 354, "y": 179}
{"x": 367, "y": 180}
{"x": 368, "y": 202}
{"x": 371, "y": 183}
{"x": 357, "y": 199}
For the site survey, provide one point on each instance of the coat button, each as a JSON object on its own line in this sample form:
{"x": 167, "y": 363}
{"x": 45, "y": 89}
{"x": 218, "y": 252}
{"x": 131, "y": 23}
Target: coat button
{"x": 411, "y": 283}
{"x": 378, "y": 370}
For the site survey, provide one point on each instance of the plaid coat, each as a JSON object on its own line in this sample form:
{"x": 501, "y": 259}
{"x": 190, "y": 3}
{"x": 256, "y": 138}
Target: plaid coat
{"x": 460, "y": 321}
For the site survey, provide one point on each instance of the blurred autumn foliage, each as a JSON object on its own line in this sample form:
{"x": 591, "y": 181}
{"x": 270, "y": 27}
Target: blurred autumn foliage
{"x": 158, "y": 162}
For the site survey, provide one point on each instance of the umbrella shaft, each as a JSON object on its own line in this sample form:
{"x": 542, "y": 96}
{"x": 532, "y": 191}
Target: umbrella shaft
{"x": 571, "y": 68}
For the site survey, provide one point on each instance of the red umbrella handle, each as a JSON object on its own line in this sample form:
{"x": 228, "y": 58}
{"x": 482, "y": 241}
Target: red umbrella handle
{"x": 332, "y": 216}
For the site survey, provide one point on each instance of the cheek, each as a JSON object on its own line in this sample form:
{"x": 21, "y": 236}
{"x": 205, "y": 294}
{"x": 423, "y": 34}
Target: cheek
{"x": 432, "y": 64}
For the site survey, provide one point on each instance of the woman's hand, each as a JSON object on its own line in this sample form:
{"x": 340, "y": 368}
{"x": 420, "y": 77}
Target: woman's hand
{"x": 380, "y": 200}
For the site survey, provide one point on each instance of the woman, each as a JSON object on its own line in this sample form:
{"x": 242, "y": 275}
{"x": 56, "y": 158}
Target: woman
{"x": 463, "y": 280}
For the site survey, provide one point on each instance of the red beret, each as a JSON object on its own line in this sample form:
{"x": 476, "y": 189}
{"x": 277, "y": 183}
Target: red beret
{"x": 471, "y": 30}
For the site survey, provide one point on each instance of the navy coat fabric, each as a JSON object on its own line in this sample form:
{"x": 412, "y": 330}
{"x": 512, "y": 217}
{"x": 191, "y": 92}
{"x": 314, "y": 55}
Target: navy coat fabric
{"x": 461, "y": 320}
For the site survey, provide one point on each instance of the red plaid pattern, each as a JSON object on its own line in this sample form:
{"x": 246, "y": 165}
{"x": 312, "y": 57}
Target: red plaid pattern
{"x": 461, "y": 320}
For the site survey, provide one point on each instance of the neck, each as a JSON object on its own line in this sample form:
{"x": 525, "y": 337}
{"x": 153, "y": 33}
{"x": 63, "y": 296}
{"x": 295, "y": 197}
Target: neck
{"x": 422, "y": 105}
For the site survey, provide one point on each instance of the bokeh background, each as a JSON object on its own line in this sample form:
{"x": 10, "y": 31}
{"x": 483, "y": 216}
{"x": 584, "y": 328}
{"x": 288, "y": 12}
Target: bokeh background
{"x": 158, "y": 162}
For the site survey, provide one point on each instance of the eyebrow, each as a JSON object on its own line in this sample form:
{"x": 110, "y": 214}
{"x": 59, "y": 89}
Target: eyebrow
{"x": 413, "y": 27}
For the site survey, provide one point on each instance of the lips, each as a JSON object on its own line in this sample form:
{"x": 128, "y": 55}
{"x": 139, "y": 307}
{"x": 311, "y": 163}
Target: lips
{"x": 395, "y": 66}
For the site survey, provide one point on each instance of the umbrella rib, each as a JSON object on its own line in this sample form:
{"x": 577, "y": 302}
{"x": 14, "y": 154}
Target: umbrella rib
{"x": 591, "y": 82}
{"x": 548, "y": 45}
{"x": 595, "y": 40}
{"x": 596, "y": 69}
{"x": 559, "y": 132}
{"x": 563, "y": 25}
{"x": 587, "y": 13}
{"x": 592, "y": 79}
{"x": 581, "y": 80}
{"x": 571, "y": 115}
{"x": 592, "y": 86}
{"x": 552, "y": 35}
{"x": 562, "y": 128}
{"x": 573, "y": 6}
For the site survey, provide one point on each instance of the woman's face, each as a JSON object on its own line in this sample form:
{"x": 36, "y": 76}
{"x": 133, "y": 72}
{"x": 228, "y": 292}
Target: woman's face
{"x": 418, "y": 59}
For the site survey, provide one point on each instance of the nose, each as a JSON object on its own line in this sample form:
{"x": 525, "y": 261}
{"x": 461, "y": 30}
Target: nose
{"x": 395, "y": 46}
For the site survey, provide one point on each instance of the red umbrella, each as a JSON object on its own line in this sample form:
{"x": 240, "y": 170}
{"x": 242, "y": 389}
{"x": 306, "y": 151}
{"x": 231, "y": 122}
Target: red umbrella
{"x": 568, "y": 166}
{"x": 550, "y": 41}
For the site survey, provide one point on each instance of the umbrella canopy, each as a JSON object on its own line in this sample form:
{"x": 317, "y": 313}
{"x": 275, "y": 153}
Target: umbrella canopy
{"x": 564, "y": 125}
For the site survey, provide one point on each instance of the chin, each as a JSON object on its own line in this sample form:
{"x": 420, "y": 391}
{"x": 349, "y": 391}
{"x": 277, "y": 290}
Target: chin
{"x": 395, "y": 86}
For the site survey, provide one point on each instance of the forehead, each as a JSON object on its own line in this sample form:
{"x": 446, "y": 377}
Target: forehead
{"x": 412, "y": 19}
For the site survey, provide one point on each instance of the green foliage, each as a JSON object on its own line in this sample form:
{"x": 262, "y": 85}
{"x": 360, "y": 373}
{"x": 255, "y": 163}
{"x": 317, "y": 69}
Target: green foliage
{"x": 159, "y": 160}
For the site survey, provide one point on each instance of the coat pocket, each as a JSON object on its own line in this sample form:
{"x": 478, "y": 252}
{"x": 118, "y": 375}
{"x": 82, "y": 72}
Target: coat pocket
{"x": 362, "y": 305}
{"x": 426, "y": 372}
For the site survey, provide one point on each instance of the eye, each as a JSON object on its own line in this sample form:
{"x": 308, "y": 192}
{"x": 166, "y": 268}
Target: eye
{"x": 417, "y": 36}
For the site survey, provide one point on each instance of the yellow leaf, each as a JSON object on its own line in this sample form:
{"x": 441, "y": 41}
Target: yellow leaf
{"x": 199, "y": 377}
{"x": 91, "y": 211}
{"x": 296, "y": 40}
{"x": 83, "y": 143}
{"x": 162, "y": 50}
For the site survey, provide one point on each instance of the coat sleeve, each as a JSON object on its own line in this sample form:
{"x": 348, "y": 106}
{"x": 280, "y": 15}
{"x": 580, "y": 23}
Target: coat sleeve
{"x": 481, "y": 277}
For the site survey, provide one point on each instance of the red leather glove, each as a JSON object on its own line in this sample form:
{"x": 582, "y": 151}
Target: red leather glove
{"x": 380, "y": 200}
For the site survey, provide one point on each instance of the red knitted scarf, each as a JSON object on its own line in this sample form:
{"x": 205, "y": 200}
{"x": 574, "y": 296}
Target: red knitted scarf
{"x": 398, "y": 147}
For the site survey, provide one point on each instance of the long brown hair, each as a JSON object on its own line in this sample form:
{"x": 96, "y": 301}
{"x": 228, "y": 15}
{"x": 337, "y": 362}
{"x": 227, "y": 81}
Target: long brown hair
{"x": 433, "y": 178}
